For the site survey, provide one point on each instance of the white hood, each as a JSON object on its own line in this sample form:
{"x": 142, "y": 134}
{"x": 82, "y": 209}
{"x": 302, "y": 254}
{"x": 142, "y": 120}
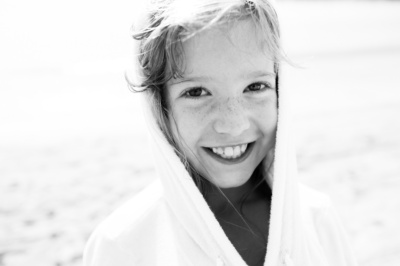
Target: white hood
{"x": 289, "y": 242}
{"x": 170, "y": 221}
{"x": 303, "y": 227}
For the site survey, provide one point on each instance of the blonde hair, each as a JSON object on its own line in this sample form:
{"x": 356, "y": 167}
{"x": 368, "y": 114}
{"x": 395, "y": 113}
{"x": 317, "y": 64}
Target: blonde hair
{"x": 166, "y": 24}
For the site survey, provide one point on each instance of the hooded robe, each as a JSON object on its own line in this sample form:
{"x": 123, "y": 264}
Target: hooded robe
{"x": 170, "y": 223}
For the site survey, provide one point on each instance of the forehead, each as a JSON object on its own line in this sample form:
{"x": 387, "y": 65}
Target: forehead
{"x": 231, "y": 49}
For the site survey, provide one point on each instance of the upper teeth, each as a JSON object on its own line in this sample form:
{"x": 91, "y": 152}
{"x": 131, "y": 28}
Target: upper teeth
{"x": 230, "y": 152}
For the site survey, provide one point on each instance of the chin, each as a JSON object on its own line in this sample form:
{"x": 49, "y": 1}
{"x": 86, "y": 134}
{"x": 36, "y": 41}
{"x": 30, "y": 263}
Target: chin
{"x": 230, "y": 181}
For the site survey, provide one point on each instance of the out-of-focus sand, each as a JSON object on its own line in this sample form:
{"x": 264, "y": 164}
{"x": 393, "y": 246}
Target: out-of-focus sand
{"x": 73, "y": 145}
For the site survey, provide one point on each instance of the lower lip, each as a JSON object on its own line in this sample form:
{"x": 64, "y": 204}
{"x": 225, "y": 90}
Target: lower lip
{"x": 232, "y": 161}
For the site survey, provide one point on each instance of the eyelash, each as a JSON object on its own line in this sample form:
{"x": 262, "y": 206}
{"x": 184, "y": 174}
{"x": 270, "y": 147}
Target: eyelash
{"x": 266, "y": 86}
{"x": 185, "y": 94}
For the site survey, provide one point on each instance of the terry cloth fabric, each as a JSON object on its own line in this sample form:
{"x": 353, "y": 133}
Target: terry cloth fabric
{"x": 170, "y": 223}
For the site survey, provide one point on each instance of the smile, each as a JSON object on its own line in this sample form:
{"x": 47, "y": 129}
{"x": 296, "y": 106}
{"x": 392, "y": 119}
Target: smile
{"x": 230, "y": 154}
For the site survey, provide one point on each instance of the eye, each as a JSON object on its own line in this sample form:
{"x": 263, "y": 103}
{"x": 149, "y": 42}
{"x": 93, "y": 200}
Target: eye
{"x": 195, "y": 92}
{"x": 258, "y": 87}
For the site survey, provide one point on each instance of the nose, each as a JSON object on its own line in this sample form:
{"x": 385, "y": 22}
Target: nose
{"x": 231, "y": 118}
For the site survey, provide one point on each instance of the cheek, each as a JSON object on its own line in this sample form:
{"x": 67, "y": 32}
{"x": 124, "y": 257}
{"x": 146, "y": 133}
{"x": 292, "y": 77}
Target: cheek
{"x": 265, "y": 113}
{"x": 187, "y": 124}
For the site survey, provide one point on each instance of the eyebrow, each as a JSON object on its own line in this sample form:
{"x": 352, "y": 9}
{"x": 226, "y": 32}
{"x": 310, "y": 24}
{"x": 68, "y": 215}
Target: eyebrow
{"x": 250, "y": 75}
{"x": 258, "y": 74}
{"x": 191, "y": 79}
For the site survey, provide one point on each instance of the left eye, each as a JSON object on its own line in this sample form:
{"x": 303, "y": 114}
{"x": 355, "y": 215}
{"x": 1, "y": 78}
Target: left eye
{"x": 257, "y": 87}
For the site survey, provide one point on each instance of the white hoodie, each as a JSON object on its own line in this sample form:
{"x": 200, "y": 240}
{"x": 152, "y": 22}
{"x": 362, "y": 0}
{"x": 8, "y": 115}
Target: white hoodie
{"x": 170, "y": 224}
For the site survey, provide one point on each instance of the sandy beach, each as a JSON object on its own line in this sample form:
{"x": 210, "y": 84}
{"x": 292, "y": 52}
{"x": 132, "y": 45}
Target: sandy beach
{"x": 73, "y": 144}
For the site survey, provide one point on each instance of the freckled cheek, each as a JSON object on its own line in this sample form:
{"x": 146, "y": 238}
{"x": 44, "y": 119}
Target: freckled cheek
{"x": 266, "y": 114}
{"x": 190, "y": 123}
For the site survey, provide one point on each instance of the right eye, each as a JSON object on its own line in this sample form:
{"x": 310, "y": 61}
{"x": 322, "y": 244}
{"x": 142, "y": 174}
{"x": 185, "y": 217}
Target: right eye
{"x": 195, "y": 92}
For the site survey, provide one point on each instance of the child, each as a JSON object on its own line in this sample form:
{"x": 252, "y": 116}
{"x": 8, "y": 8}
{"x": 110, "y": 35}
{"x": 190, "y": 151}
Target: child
{"x": 227, "y": 192}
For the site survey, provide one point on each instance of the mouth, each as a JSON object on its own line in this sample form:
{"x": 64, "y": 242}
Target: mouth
{"x": 230, "y": 154}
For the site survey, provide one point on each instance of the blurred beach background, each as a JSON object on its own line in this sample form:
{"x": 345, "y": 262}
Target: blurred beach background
{"x": 73, "y": 144}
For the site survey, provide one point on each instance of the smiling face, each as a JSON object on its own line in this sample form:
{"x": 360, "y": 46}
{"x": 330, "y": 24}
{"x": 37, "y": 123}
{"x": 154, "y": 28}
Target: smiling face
{"x": 223, "y": 111}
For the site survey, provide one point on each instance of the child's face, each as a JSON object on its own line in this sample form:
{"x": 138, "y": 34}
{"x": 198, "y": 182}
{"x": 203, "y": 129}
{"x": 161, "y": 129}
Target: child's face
{"x": 223, "y": 112}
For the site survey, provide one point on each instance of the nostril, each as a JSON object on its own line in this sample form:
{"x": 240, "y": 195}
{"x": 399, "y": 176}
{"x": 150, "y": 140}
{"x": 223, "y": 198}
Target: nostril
{"x": 232, "y": 125}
